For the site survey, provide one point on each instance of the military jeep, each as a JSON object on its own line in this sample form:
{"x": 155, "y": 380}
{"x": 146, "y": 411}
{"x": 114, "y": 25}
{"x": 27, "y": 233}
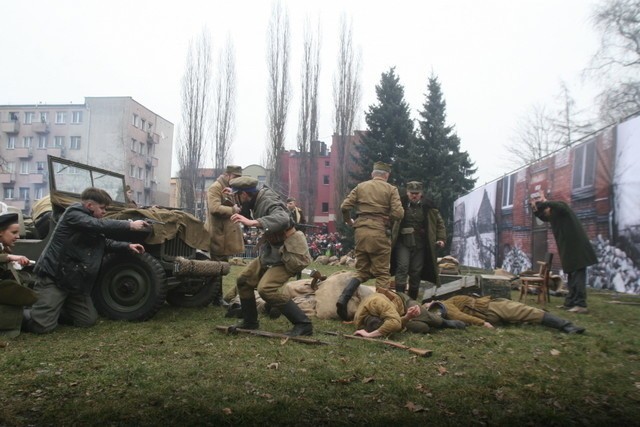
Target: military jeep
{"x": 175, "y": 268}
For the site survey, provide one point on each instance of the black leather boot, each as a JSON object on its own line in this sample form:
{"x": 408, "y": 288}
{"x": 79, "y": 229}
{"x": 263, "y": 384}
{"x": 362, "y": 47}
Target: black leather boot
{"x": 563, "y": 325}
{"x": 344, "y": 298}
{"x": 249, "y": 314}
{"x": 413, "y": 292}
{"x": 301, "y": 323}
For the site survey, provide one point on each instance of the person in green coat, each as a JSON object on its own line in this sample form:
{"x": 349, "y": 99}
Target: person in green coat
{"x": 422, "y": 231}
{"x": 575, "y": 249}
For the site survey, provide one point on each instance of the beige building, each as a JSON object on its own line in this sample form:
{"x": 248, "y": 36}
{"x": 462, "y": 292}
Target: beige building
{"x": 114, "y": 133}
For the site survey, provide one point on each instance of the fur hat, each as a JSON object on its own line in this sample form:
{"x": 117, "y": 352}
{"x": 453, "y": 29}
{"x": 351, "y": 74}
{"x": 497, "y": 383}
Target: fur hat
{"x": 382, "y": 166}
{"x": 7, "y": 219}
{"x": 244, "y": 183}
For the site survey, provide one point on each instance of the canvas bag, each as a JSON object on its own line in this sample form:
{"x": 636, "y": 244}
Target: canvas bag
{"x": 295, "y": 253}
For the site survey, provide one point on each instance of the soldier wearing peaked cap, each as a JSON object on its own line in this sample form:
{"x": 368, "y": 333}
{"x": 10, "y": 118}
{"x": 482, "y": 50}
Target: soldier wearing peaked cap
{"x": 283, "y": 253}
{"x": 422, "y": 231}
{"x": 226, "y": 236}
{"x": 13, "y": 296}
{"x": 377, "y": 205}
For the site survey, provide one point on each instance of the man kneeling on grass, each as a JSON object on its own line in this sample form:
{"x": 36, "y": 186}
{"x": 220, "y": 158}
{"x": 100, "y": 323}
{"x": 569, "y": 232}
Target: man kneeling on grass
{"x": 487, "y": 312}
{"x": 386, "y": 312}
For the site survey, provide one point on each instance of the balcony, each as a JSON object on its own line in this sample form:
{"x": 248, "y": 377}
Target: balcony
{"x": 40, "y": 127}
{"x": 23, "y": 152}
{"x": 12, "y": 126}
{"x": 153, "y": 138}
{"x": 7, "y": 177}
{"x": 151, "y": 162}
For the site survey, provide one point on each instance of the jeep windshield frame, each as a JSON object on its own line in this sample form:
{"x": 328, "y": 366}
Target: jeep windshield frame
{"x": 70, "y": 179}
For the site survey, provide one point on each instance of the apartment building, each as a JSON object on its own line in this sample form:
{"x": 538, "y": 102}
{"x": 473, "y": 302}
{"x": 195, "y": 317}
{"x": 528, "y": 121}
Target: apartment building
{"x": 114, "y": 133}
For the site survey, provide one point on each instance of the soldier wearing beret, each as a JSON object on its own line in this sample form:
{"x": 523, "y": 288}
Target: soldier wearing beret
{"x": 13, "y": 296}
{"x": 576, "y": 251}
{"x": 377, "y": 205}
{"x": 226, "y": 236}
{"x": 263, "y": 208}
{"x": 422, "y": 231}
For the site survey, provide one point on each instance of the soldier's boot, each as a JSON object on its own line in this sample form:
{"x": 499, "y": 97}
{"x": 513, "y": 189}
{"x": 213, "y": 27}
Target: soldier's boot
{"x": 563, "y": 325}
{"x": 401, "y": 287}
{"x": 249, "y": 314}
{"x": 413, "y": 291}
{"x": 343, "y": 300}
{"x": 453, "y": 324}
{"x": 301, "y": 323}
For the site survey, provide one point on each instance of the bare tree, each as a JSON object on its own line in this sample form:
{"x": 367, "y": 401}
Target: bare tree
{"x": 568, "y": 124}
{"x": 308, "y": 125}
{"x": 346, "y": 97}
{"x": 278, "y": 89}
{"x": 224, "y": 106}
{"x": 534, "y": 139}
{"x": 617, "y": 61}
{"x": 196, "y": 90}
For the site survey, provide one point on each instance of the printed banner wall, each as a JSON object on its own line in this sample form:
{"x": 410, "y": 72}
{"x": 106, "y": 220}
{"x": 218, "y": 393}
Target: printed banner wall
{"x": 598, "y": 177}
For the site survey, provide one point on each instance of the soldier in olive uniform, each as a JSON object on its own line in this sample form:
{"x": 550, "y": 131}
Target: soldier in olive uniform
{"x": 226, "y": 237}
{"x": 13, "y": 296}
{"x": 422, "y": 230}
{"x": 263, "y": 208}
{"x": 386, "y": 312}
{"x": 377, "y": 204}
{"x": 487, "y": 312}
{"x": 576, "y": 251}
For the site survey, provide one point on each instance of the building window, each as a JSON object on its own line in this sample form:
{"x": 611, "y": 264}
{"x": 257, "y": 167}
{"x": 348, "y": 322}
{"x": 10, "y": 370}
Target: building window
{"x": 144, "y": 123}
{"x": 141, "y": 148}
{"x": 24, "y": 168}
{"x": 10, "y": 167}
{"x": 8, "y": 193}
{"x": 325, "y": 179}
{"x": 42, "y": 141}
{"x": 325, "y": 207}
{"x": 58, "y": 141}
{"x": 39, "y": 192}
{"x": 76, "y": 117}
{"x": 140, "y": 173}
{"x": 44, "y": 116}
{"x": 24, "y": 193}
{"x": 508, "y": 189}
{"x": 327, "y": 163}
{"x": 584, "y": 166}
{"x": 13, "y": 116}
{"x": 74, "y": 143}
{"x": 11, "y": 142}
{"x": 150, "y": 150}
{"x": 132, "y": 171}
{"x": 60, "y": 117}
{"x": 134, "y": 120}
{"x": 28, "y": 117}
{"x": 40, "y": 167}
{"x": 133, "y": 144}
{"x": 27, "y": 141}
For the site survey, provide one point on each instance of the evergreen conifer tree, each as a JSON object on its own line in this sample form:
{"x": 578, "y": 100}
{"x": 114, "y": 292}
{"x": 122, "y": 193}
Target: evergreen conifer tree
{"x": 390, "y": 131}
{"x": 436, "y": 158}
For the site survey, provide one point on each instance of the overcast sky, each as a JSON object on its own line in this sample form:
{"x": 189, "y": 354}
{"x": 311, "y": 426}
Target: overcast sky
{"x": 494, "y": 59}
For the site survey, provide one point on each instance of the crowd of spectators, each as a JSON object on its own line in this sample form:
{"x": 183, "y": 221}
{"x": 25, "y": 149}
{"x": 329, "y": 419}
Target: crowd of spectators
{"x": 328, "y": 244}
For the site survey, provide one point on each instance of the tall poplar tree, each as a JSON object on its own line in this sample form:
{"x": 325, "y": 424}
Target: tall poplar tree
{"x": 436, "y": 158}
{"x": 390, "y": 131}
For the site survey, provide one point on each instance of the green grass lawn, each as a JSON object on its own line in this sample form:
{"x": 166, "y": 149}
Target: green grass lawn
{"x": 176, "y": 369}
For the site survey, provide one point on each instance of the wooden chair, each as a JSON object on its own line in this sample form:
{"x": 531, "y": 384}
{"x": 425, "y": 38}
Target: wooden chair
{"x": 539, "y": 281}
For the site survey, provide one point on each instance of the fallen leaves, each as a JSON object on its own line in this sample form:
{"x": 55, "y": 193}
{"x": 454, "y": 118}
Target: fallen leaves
{"x": 554, "y": 352}
{"x": 413, "y": 407}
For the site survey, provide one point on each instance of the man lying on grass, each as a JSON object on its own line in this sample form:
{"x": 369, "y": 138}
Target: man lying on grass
{"x": 386, "y": 312}
{"x": 487, "y": 312}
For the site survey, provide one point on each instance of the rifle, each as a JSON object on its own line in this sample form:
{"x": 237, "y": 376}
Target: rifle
{"x": 232, "y": 330}
{"x": 417, "y": 351}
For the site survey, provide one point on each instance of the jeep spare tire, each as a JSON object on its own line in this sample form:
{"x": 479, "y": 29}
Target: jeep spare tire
{"x": 130, "y": 287}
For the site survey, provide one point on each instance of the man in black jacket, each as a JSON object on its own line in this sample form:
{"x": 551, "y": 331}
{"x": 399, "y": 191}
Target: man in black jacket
{"x": 68, "y": 267}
